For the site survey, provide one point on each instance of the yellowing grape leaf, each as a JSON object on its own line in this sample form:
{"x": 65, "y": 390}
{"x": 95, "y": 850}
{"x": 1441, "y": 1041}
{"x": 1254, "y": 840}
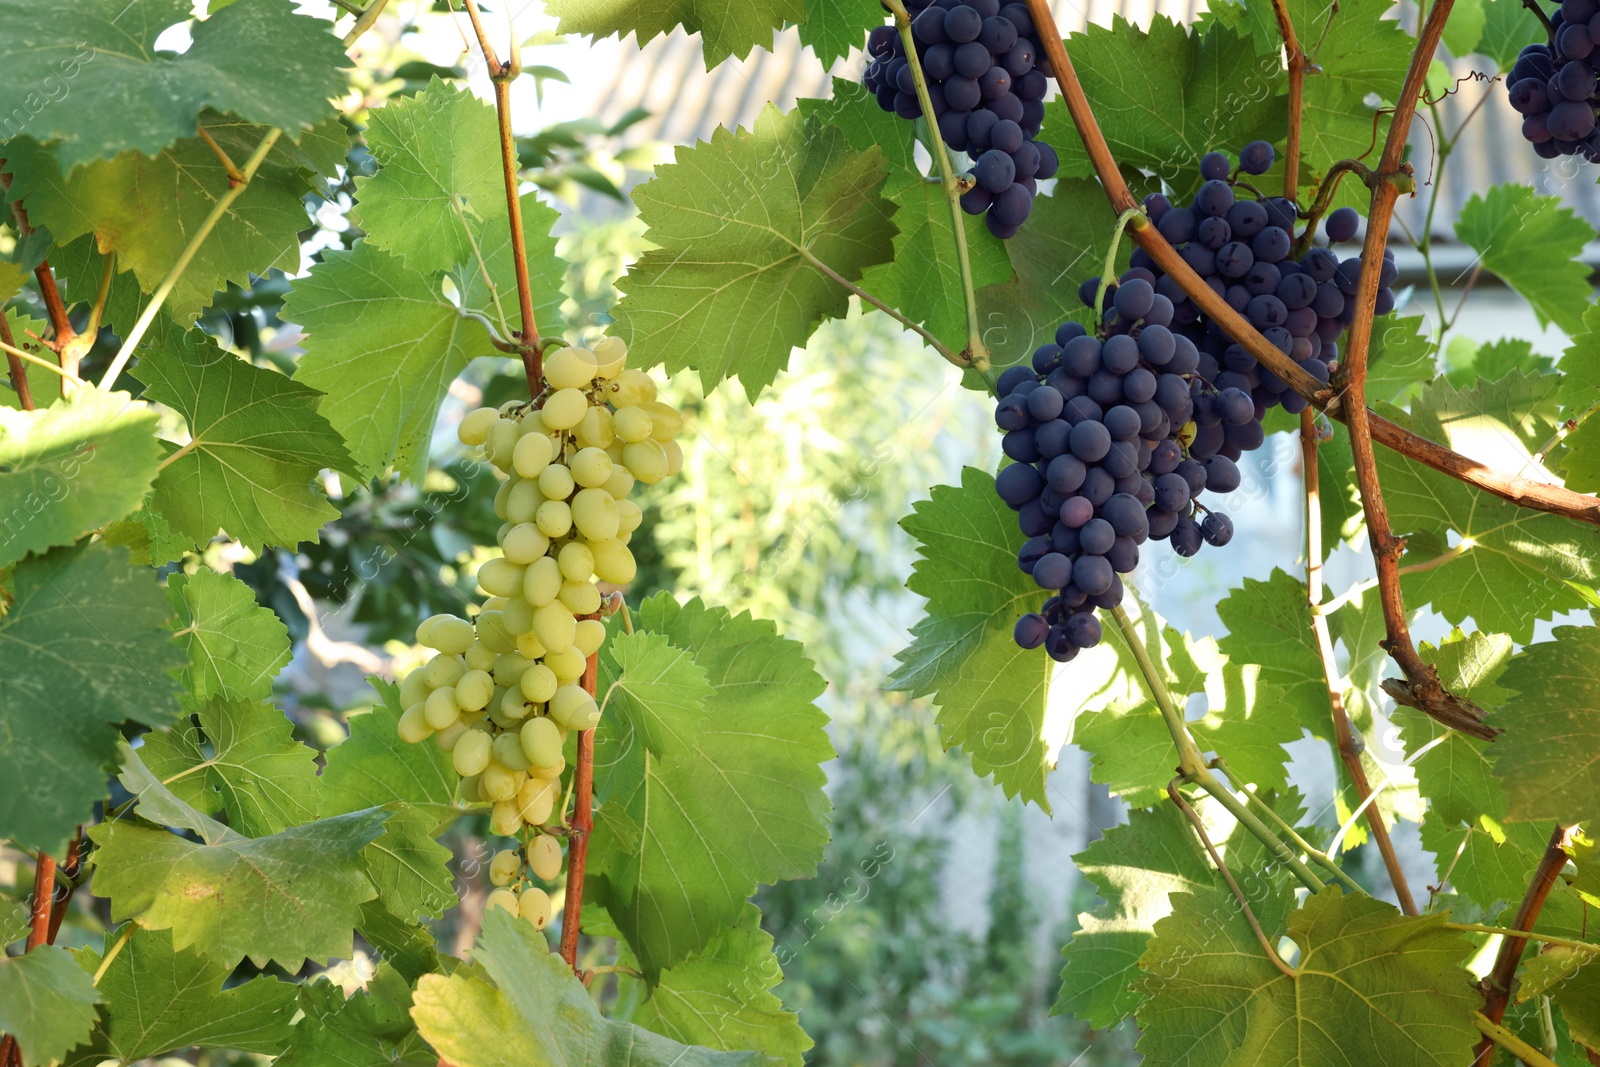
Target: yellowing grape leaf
{"x": 71, "y": 467}
{"x": 535, "y": 1013}
{"x": 740, "y": 224}
{"x": 992, "y": 696}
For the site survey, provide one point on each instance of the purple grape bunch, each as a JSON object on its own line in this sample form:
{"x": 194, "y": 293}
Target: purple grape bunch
{"x": 1553, "y": 85}
{"x": 1115, "y": 434}
{"x": 987, "y": 80}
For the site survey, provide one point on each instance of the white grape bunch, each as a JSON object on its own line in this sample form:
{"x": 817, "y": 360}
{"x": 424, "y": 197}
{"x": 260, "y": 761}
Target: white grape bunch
{"x": 505, "y": 688}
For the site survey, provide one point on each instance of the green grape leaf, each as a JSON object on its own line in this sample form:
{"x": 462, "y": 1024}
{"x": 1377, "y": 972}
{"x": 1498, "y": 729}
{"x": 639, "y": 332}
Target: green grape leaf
{"x": 255, "y": 58}
{"x": 1402, "y": 359}
{"x": 1465, "y": 28}
{"x": 147, "y": 208}
{"x": 257, "y": 772}
{"x": 1373, "y": 986}
{"x": 1571, "y": 979}
{"x": 1269, "y": 623}
{"x": 1456, "y": 775}
{"x": 439, "y": 177}
{"x": 85, "y": 644}
{"x": 409, "y": 867}
{"x": 1487, "y": 863}
{"x": 833, "y": 27}
{"x": 726, "y": 27}
{"x": 537, "y": 1014}
{"x": 923, "y": 281}
{"x": 47, "y": 1003}
{"x": 1580, "y": 394}
{"x": 256, "y": 444}
{"x": 409, "y": 948}
{"x": 1546, "y": 757}
{"x": 72, "y": 467}
{"x": 236, "y": 646}
{"x": 742, "y": 226}
{"x": 992, "y": 696}
{"x": 1175, "y": 95}
{"x": 546, "y": 270}
{"x": 1510, "y": 566}
{"x": 721, "y": 997}
{"x": 1136, "y": 869}
{"x": 383, "y": 343}
{"x": 374, "y": 767}
{"x": 160, "y": 999}
{"x": 1063, "y": 244}
{"x": 44, "y": 387}
{"x": 1507, "y": 29}
{"x": 289, "y": 897}
{"x": 1130, "y": 751}
{"x": 14, "y": 920}
{"x": 693, "y": 748}
{"x": 1466, "y": 360}
{"x": 1533, "y": 244}
{"x": 365, "y": 1030}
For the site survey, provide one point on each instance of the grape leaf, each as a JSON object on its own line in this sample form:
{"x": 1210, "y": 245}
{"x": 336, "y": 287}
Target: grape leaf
{"x": 256, "y": 444}
{"x": 289, "y": 897}
{"x": 1546, "y": 757}
{"x": 721, "y": 997}
{"x": 1373, "y": 986}
{"x": 1533, "y": 244}
{"x": 365, "y": 1030}
{"x": 85, "y": 645}
{"x": 1580, "y": 393}
{"x": 409, "y": 867}
{"x": 833, "y": 27}
{"x": 1455, "y": 775}
{"x": 147, "y": 208}
{"x": 383, "y": 344}
{"x": 694, "y": 750}
{"x": 373, "y": 766}
{"x": 1269, "y": 624}
{"x": 47, "y": 1003}
{"x": 255, "y": 58}
{"x": 537, "y": 1014}
{"x": 1467, "y": 360}
{"x": 1136, "y": 869}
{"x": 44, "y": 387}
{"x": 1462, "y": 32}
{"x": 409, "y": 948}
{"x": 236, "y": 646}
{"x": 1506, "y": 31}
{"x": 726, "y": 27}
{"x": 1403, "y": 358}
{"x": 71, "y": 467}
{"x": 14, "y": 920}
{"x": 439, "y": 177}
{"x": 923, "y": 281}
{"x": 1487, "y": 863}
{"x": 1166, "y": 96}
{"x": 741, "y": 224}
{"x": 1511, "y": 566}
{"x": 159, "y": 999}
{"x": 993, "y": 697}
{"x": 546, "y": 270}
{"x": 1571, "y": 979}
{"x": 257, "y": 772}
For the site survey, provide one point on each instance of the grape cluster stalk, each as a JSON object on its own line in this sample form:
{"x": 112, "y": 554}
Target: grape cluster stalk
{"x": 1553, "y": 85}
{"x": 503, "y": 691}
{"x": 986, "y": 84}
{"x": 1115, "y": 434}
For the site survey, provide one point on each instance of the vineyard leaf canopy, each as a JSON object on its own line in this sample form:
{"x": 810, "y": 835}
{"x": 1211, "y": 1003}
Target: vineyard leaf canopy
{"x": 236, "y": 646}
{"x": 367, "y": 1029}
{"x": 85, "y": 644}
{"x": 1546, "y": 757}
{"x": 1374, "y": 986}
{"x": 255, "y": 58}
{"x": 159, "y": 999}
{"x": 256, "y": 444}
{"x": 535, "y": 1013}
{"x": 71, "y": 467}
{"x": 738, "y": 223}
{"x": 47, "y": 1002}
{"x": 694, "y": 752}
{"x": 1534, "y": 244}
{"x": 833, "y": 27}
{"x": 726, "y": 27}
{"x": 373, "y": 766}
{"x": 993, "y": 697}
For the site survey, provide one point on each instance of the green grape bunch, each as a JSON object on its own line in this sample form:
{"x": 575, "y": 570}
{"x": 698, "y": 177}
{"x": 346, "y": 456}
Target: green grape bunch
{"x": 505, "y": 689}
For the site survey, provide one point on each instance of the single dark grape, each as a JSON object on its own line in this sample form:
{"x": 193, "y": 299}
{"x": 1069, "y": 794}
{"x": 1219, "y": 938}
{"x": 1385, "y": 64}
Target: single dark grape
{"x": 1076, "y": 511}
{"x": 1297, "y": 291}
{"x": 1193, "y": 472}
{"x": 1138, "y": 385}
{"x": 1065, "y": 473}
{"x": 1031, "y": 630}
{"x": 1222, "y": 475}
{"x": 1026, "y": 159}
{"x": 1134, "y": 298}
{"x": 1031, "y": 552}
{"x": 1172, "y": 492}
{"x": 1083, "y": 630}
{"x": 938, "y": 63}
{"x": 1246, "y": 218}
{"x": 1032, "y": 85}
{"x": 1021, "y": 445}
{"x": 1214, "y": 166}
{"x": 1092, "y": 574}
{"x": 1574, "y": 42}
{"x": 1256, "y": 157}
{"x": 1161, "y": 522}
{"x": 1052, "y": 571}
{"x": 1234, "y": 260}
{"x": 1177, "y": 225}
{"x": 1018, "y": 484}
{"x": 1341, "y": 225}
{"x": 1012, "y": 377}
{"x": 1126, "y": 516}
{"x": 1082, "y": 409}
{"x": 1185, "y": 537}
{"x": 995, "y": 171}
{"x": 962, "y": 93}
{"x": 1120, "y": 354}
{"x": 1576, "y": 79}
{"x": 962, "y": 24}
{"x": 1018, "y": 61}
{"x": 995, "y": 83}
{"x": 1045, "y": 404}
{"x": 1012, "y": 413}
{"x": 1059, "y": 646}
{"x": 1572, "y": 120}
{"x": 1098, "y": 486}
{"x": 972, "y": 60}
{"x": 1271, "y": 244}
{"x": 1122, "y": 422}
{"x": 1266, "y": 277}
{"x": 1011, "y": 206}
{"x": 1007, "y": 106}
{"x": 998, "y": 35}
{"x": 1215, "y": 198}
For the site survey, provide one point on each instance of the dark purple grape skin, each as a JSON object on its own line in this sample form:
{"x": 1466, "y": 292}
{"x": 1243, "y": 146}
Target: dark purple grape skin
{"x": 1031, "y": 630}
{"x": 1083, "y": 630}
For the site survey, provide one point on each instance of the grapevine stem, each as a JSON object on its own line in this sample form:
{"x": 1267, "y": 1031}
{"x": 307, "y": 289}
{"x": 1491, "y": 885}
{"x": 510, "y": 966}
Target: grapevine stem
{"x": 41, "y": 928}
{"x": 1109, "y": 274}
{"x": 234, "y": 176}
{"x": 1331, "y": 606}
{"x": 1388, "y": 780}
{"x": 1192, "y": 765}
{"x": 1238, "y": 895}
{"x": 98, "y": 308}
{"x": 1497, "y": 986}
{"x": 1539, "y": 496}
{"x": 1316, "y": 855}
{"x": 164, "y": 290}
{"x": 582, "y": 824}
{"x": 19, "y": 375}
{"x": 1344, "y": 736}
{"x": 1325, "y": 193}
{"x": 977, "y": 353}
{"x": 1548, "y": 939}
{"x": 16, "y": 353}
{"x": 115, "y": 951}
{"x": 364, "y": 22}
{"x": 1564, "y": 429}
{"x": 1297, "y": 81}
{"x": 1495, "y": 1034}
{"x": 933, "y": 342}
{"x": 60, "y": 324}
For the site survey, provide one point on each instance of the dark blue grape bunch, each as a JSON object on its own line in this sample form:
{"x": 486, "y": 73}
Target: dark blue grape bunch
{"x": 987, "y": 80}
{"x": 1553, "y": 85}
{"x": 1115, "y": 434}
